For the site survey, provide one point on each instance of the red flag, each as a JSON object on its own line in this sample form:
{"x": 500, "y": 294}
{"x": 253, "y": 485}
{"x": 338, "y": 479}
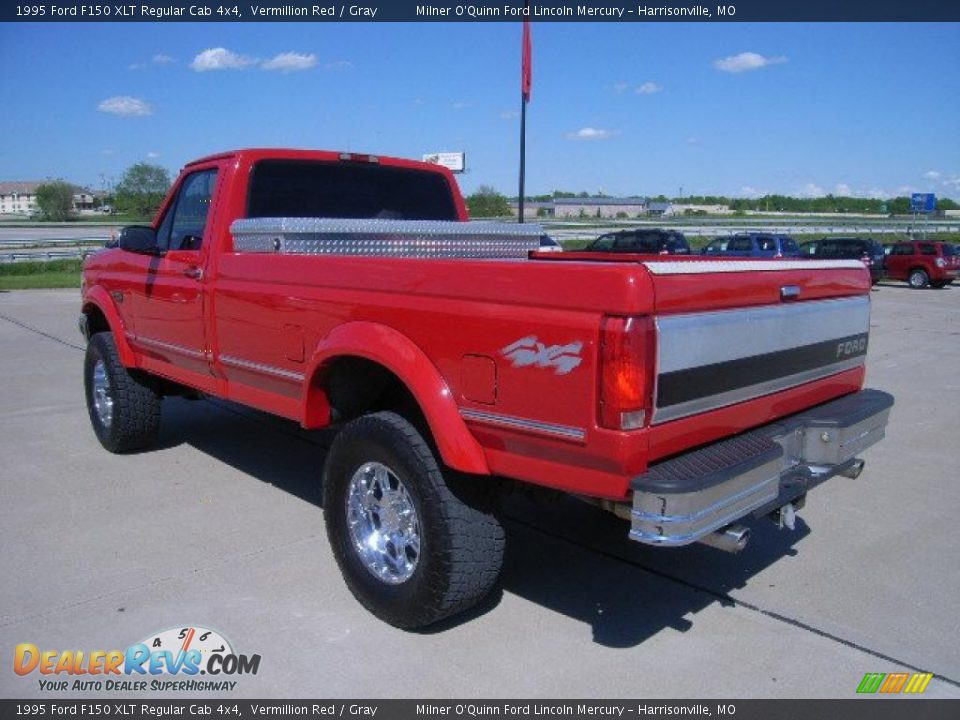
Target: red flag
{"x": 526, "y": 73}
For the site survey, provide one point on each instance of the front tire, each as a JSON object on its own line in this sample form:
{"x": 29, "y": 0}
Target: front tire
{"x": 918, "y": 279}
{"x": 124, "y": 412}
{"x": 413, "y": 546}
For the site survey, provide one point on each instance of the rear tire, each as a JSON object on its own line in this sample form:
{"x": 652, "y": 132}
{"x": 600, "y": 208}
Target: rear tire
{"x": 918, "y": 279}
{"x": 413, "y": 546}
{"x": 124, "y": 411}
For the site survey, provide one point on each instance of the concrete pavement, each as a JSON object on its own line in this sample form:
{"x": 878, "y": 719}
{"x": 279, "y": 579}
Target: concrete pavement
{"x": 221, "y": 527}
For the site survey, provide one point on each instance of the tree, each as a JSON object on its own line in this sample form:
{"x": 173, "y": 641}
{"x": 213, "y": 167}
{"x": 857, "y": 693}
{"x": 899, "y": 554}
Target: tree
{"x": 487, "y": 202}
{"x": 142, "y": 189}
{"x": 55, "y": 200}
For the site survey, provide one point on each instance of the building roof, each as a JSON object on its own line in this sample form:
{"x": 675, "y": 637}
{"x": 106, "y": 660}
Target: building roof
{"x": 21, "y": 187}
{"x": 600, "y": 201}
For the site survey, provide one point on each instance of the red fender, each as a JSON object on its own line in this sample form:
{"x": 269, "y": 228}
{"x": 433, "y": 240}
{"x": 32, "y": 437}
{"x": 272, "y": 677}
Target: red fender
{"x": 394, "y": 351}
{"x": 101, "y": 299}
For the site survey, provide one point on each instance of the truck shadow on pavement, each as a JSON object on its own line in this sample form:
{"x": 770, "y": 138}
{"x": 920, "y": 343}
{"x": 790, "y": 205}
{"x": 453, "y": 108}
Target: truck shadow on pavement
{"x": 564, "y": 555}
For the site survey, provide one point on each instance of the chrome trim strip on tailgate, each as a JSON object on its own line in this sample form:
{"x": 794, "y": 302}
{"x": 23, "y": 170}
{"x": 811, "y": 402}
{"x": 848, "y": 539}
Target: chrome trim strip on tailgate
{"x": 714, "y": 359}
{"x": 700, "y": 267}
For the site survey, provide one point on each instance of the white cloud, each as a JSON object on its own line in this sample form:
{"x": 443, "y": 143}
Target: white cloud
{"x": 338, "y": 65}
{"x": 752, "y": 191}
{"x": 932, "y": 175}
{"x": 694, "y": 140}
{"x": 136, "y": 66}
{"x": 509, "y": 115}
{"x": 906, "y": 190}
{"x": 648, "y": 88}
{"x": 746, "y": 61}
{"x": 621, "y": 87}
{"x": 811, "y": 190}
{"x": 460, "y": 105}
{"x": 290, "y": 62}
{"x": 953, "y": 183}
{"x": 153, "y": 155}
{"x": 221, "y": 59}
{"x": 125, "y": 106}
{"x": 843, "y": 190}
{"x": 162, "y": 59}
{"x": 107, "y": 151}
{"x": 589, "y": 133}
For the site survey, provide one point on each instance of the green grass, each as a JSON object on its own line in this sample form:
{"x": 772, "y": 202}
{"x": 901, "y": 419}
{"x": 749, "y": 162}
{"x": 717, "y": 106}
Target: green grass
{"x": 37, "y": 274}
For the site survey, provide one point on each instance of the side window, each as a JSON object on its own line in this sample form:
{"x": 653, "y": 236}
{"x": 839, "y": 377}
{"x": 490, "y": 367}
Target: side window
{"x": 604, "y": 242}
{"x": 788, "y": 244}
{"x": 191, "y": 211}
{"x": 741, "y": 244}
{"x": 928, "y": 249}
{"x": 766, "y": 243}
{"x": 902, "y": 250}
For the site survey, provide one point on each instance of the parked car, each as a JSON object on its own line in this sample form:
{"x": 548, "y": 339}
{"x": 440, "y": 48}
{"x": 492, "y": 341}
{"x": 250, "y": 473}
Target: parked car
{"x": 765, "y": 245}
{"x": 924, "y": 264}
{"x": 548, "y": 244}
{"x": 867, "y": 250}
{"x": 644, "y": 240}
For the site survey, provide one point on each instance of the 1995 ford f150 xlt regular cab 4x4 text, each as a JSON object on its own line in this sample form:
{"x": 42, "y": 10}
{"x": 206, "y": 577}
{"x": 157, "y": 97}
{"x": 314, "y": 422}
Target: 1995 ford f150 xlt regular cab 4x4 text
{"x": 685, "y": 394}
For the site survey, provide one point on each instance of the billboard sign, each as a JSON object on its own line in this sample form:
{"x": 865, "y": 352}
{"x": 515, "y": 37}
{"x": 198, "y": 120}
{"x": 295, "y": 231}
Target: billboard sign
{"x": 453, "y": 161}
{"x": 923, "y": 202}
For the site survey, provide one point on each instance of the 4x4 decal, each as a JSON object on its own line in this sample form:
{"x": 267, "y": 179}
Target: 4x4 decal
{"x": 529, "y": 351}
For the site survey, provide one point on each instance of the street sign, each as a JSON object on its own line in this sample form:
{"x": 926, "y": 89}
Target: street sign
{"x": 454, "y": 161}
{"x": 923, "y": 202}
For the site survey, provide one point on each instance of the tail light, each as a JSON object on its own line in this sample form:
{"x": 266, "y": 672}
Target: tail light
{"x": 867, "y": 260}
{"x": 626, "y": 372}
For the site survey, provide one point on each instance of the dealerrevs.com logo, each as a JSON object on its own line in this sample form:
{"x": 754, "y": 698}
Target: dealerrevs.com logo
{"x": 170, "y": 660}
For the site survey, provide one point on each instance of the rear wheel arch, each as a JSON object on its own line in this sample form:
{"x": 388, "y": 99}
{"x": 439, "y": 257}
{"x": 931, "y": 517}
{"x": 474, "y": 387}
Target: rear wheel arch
{"x": 391, "y": 373}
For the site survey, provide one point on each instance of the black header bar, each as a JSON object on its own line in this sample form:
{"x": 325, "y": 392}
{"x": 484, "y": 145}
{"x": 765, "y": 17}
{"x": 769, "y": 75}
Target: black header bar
{"x": 508, "y": 11}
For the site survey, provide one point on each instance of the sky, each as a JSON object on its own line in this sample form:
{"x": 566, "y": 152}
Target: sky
{"x": 739, "y": 109}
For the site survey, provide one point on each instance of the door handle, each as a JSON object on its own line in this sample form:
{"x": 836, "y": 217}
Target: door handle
{"x": 194, "y": 272}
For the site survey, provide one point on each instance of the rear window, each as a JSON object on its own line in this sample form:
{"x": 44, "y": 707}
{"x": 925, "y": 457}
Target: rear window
{"x": 282, "y": 188}
{"x": 789, "y": 245}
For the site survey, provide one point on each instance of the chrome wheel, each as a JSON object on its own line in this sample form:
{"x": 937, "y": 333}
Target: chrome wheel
{"x": 384, "y": 527}
{"x": 102, "y": 394}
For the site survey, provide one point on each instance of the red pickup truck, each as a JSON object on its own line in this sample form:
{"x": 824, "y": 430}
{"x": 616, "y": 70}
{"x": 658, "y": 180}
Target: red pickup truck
{"x": 686, "y": 395}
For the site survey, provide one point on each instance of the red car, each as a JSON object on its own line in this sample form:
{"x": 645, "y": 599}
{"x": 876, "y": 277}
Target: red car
{"x": 924, "y": 264}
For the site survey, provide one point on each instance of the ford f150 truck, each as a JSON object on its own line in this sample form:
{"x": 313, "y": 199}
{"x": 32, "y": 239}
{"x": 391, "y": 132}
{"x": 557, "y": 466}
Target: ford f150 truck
{"x": 684, "y": 394}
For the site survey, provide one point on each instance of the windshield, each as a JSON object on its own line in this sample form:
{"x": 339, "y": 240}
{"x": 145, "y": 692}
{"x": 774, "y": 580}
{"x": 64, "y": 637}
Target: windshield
{"x": 295, "y": 188}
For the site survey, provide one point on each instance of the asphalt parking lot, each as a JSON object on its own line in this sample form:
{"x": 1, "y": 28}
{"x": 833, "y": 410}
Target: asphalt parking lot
{"x": 221, "y": 527}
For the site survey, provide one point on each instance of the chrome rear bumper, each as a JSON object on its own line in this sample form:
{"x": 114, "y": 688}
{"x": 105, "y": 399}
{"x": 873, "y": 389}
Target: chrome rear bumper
{"x": 681, "y": 500}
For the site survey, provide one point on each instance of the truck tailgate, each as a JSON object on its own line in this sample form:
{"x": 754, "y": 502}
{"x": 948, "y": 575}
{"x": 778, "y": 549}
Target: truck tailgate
{"x": 731, "y": 331}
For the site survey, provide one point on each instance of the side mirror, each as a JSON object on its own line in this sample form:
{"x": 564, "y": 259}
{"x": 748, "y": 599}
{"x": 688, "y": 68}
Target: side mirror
{"x": 139, "y": 239}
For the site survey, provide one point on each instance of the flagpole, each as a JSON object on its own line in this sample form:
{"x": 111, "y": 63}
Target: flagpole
{"x": 526, "y": 63}
{"x": 523, "y": 147}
